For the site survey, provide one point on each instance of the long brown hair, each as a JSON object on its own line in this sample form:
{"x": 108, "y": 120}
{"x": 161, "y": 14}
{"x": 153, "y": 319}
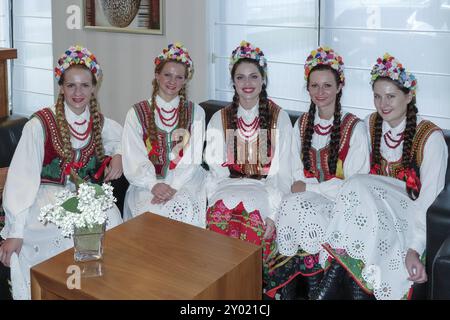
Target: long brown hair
{"x": 335, "y": 131}
{"x": 63, "y": 125}
{"x": 264, "y": 112}
{"x": 408, "y": 137}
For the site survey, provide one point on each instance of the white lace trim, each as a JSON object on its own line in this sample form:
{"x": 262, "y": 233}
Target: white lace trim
{"x": 302, "y": 221}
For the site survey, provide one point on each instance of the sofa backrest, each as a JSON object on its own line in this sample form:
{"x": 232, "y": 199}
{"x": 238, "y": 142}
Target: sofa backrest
{"x": 10, "y": 133}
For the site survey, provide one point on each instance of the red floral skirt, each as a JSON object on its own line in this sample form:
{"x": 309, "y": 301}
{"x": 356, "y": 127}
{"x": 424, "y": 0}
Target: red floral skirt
{"x": 240, "y": 224}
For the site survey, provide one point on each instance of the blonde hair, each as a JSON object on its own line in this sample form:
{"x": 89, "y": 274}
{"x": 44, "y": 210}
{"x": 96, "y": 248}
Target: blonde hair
{"x": 63, "y": 125}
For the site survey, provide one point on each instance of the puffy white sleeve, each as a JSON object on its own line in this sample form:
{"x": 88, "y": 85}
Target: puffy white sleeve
{"x": 192, "y": 155}
{"x": 279, "y": 179}
{"x": 24, "y": 178}
{"x": 138, "y": 169}
{"x": 215, "y": 153}
{"x": 367, "y": 128}
{"x": 112, "y": 137}
{"x": 432, "y": 177}
{"x": 357, "y": 161}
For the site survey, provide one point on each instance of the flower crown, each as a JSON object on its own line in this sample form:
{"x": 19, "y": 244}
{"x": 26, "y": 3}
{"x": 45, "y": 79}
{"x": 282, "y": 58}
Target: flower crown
{"x": 390, "y": 67}
{"x": 246, "y": 50}
{"x": 77, "y": 55}
{"x": 178, "y": 53}
{"x": 325, "y": 56}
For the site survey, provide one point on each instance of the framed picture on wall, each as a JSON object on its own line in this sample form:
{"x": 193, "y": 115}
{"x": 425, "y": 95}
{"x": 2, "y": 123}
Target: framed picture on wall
{"x": 135, "y": 16}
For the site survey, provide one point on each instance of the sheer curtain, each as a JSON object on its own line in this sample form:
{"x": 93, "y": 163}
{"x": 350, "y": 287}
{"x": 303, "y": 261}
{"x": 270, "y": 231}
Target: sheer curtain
{"x": 32, "y": 85}
{"x": 417, "y": 32}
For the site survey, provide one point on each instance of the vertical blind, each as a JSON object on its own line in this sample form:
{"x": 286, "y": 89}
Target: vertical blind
{"x": 417, "y": 32}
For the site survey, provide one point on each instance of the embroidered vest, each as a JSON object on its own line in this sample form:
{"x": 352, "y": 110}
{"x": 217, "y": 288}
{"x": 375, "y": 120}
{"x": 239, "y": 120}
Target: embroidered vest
{"x": 319, "y": 158}
{"x": 160, "y": 147}
{"x": 259, "y": 165}
{"x": 423, "y": 131}
{"x": 53, "y": 165}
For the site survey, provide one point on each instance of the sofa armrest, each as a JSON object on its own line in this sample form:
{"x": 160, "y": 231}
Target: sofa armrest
{"x": 440, "y": 285}
{"x": 438, "y": 225}
{"x": 10, "y": 133}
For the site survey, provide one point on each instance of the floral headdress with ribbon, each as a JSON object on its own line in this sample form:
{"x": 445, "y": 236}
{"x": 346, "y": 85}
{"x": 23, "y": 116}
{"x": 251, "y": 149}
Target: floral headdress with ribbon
{"x": 78, "y": 55}
{"x": 389, "y": 66}
{"x": 246, "y": 50}
{"x": 325, "y": 56}
{"x": 176, "y": 52}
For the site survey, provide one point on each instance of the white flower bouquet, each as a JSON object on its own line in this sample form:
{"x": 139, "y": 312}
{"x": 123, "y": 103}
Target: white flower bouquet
{"x": 85, "y": 208}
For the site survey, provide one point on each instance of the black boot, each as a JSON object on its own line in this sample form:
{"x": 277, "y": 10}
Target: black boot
{"x": 355, "y": 291}
{"x": 313, "y": 283}
{"x": 330, "y": 286}
{"x": 289, "y": 291}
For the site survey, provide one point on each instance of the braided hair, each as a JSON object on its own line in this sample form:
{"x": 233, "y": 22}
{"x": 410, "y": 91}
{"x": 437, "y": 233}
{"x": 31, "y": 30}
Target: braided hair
{"x": 183, "y": 116}
{"x": 408, "y": 137}
{"x": 264, "y": 112}
{"x": 335, "y": 131}
{"x": 63, "y": 125}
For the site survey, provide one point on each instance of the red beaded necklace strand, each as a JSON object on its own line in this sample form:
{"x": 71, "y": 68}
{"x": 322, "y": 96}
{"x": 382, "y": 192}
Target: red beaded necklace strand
{"x": 248, "y": 129}
{"x": 391, "y": 142}
{"x": 81, "y": 135}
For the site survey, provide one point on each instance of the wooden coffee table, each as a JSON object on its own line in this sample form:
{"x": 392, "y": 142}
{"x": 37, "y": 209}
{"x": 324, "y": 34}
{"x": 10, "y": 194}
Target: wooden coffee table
{"x": 152, "y": 257}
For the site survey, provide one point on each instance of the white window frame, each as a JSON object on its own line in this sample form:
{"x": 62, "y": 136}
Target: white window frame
{"x": 438, "y": 115}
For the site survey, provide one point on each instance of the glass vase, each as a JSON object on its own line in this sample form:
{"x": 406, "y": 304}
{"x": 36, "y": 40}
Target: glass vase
{"x": 88, "y": 243}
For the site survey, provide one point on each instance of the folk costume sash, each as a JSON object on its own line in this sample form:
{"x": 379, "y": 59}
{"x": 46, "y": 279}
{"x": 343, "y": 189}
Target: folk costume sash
{"x": 159, "y": 148}
{"x": 84, "y": 161}
{"x": 240, "y": 165}
{"x": 395, "y": 169}
{"x": 319, "y": 158}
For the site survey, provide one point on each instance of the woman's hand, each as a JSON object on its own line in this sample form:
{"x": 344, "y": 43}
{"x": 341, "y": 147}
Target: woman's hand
{"x": 8, "y": 247}
{"x": 162, "y": 193}
{"x": 114, "y": 170}
{"x": 270, "y": 228}
{"x": 415, "y": 268}
{"x": 298, "y": 186}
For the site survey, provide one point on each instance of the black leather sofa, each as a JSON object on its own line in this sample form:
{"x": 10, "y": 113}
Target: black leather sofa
{"x": 438, "y": 227}
{"x": 438, "y": 217}
{"x": 10, "y": 132}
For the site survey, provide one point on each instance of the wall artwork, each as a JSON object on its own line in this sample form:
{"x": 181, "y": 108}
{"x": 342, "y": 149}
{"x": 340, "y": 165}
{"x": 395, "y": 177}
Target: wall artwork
{"x": 135, "y": 16}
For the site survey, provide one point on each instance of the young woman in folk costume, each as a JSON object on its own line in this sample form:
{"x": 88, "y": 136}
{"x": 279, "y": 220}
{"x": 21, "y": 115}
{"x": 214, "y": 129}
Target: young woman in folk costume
{"x": 247, "y": 151}
{"x": 73, "y": 134}
{"x": 378, "y": 233}
{"x": 328, "y": 146}
{"x": 162, "y": 144}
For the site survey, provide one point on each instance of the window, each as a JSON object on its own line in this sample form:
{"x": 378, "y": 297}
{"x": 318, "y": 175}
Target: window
{"x": 32, "y": 72}
{"x": 283, "y": 29}
{"x": 4, "y": 23}
{"x": 417, "y": 32}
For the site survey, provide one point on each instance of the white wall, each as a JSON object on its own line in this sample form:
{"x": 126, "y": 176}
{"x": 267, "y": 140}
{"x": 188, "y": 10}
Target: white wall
{"x": 127, "y": 59}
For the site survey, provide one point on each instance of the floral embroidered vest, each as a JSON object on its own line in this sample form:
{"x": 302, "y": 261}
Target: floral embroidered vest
{"x": 394, "y": 169}
{"x": 53, "y": 165}
{"x": 319, "y": 158}
{"x": 160, "y": 147}
{"x": 258, "y": 167}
